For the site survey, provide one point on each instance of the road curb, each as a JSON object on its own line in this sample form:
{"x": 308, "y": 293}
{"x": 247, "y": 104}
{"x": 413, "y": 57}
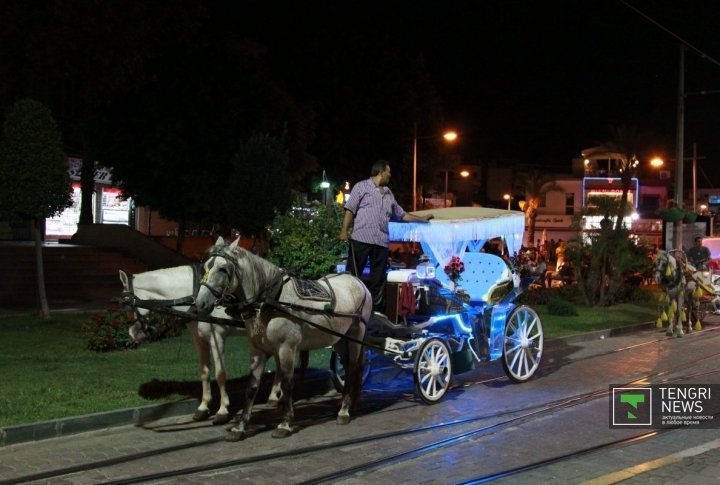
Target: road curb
{"x": 56, "y": 428}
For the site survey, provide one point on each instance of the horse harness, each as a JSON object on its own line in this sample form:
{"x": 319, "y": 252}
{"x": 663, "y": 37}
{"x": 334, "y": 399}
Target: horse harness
{"x": 269, "y": 297}
{"x": 130, "y": 302}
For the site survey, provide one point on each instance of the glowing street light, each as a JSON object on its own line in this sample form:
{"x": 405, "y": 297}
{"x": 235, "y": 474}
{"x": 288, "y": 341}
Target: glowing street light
{"x": 449, "y": 136}
{"x": 657, "y": 162}
{"x": 325, "y": 185}
{"x": 509, "y": 198}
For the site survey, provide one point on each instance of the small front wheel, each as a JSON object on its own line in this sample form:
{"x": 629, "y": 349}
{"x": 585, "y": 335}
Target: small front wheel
{"x": 523, "y": 344}
{"x": 433, "y": 370}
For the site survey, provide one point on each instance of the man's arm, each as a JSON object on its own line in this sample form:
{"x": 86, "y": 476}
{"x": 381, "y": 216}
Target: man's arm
{"x": 413, "y": 218}
{"x": 348, "y": 218}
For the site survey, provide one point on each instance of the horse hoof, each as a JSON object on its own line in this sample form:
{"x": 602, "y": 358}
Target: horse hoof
{"x": 343, "y": 419}
{"x": 233, "y": 436}
{"x": 221, "y": 419}
{"x": 281, "y": 433}
{"x": 201, "y": 415}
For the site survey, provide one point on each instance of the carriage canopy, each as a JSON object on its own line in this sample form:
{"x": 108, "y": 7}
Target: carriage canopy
{"x": 455, "y": 230}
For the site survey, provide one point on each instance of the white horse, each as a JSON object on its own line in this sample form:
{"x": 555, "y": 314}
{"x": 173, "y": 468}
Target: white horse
{"x": 179, "y": 282}
{"x": 292, "y": 315}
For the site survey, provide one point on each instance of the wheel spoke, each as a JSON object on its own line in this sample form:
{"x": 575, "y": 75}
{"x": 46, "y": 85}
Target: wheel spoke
{"x": 523, "y": 344}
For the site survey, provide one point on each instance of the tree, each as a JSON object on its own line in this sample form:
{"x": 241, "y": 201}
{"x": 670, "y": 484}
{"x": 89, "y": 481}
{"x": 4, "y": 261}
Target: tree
{"x": 34, "y": 171}
{"x": 624, "y": 146}
{"x": 172, "y": 143}
{"x": 535, "y": 185}
{"x": 78, "y": 55}
{"x": 604, "y": 258}
{"x": 258, "y": 187}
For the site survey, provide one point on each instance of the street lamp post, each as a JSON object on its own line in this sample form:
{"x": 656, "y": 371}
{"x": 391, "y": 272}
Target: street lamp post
{"x": 449, "y": 136}
{"x": 325, "y": 185}
{"x": 509, "y": 198}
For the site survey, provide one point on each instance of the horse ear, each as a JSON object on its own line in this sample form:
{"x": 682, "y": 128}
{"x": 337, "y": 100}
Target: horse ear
{"x": 220, "y": 241}
{"x": 123, "y": 279}
{"x": 233, "y": 247}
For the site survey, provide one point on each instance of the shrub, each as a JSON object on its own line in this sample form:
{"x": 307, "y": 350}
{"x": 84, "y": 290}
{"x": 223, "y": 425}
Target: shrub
{"x": 561, "y": 308}
{"x": 105, "y": 332}
{"x": 304, "y": 240}
{"x": 108, "y": 331}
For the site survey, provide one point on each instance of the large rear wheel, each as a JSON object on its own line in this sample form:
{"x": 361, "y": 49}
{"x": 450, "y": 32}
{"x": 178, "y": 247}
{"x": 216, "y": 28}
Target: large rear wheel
{"x": 338, "y": 370}
{"x": 433, "y": 370}
{"x": 523, "y": 344}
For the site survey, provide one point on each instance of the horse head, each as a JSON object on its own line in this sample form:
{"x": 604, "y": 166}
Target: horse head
{"x": 667, "y": 271}
{"x": 221, "y": 278}
{"x": 127, "y": 304}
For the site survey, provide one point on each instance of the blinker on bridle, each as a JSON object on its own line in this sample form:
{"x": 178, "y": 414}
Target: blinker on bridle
{"x": 221, "y": 295}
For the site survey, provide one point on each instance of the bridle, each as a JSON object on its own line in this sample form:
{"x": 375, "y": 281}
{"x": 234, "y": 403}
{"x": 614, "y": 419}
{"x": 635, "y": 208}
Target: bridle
{"x": 231, "y": 293}
{"x": 129, "y": 302}
{"x": 671, "y": 281}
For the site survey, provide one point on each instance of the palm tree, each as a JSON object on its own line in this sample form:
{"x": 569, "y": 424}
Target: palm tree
{"x": 624, "y": 145}
{"x": 535, "y": 185}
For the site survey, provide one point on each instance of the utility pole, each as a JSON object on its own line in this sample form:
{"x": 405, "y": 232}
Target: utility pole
{"x": 679, "y": 150}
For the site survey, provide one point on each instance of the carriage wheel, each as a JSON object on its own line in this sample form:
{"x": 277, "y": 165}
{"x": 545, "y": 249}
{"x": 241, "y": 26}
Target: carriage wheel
{"x": 433, "y": 370}
{"x": 704, "y": 308}
{"x": 338, "y": 370}
{"x": 523, "y": 344}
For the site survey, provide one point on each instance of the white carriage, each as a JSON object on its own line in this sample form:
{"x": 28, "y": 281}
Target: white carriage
{"x": 433, "y": 328}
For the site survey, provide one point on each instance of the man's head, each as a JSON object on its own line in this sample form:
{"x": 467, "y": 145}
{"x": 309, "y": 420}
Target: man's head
{"x": 698, "y": 241}
{"x": 381, "y": 170}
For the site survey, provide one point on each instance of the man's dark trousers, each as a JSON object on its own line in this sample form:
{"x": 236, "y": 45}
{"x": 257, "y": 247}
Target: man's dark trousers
{"x": 357, "y": 257}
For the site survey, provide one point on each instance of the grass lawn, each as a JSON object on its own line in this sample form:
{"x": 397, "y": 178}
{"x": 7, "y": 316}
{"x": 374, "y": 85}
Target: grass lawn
{"x": 47, "y": 372}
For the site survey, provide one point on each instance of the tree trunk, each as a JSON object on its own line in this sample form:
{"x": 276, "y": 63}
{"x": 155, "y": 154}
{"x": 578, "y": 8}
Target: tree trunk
{"x": 531, "y": 215}
{"x": 87, "y": 186}
{"x": 623, "y": 202}
{"x": 40, "y": 270}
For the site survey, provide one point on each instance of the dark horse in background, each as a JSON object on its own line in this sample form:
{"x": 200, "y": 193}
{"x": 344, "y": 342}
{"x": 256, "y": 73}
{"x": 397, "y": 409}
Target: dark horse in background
{"x": 292, "y": 315}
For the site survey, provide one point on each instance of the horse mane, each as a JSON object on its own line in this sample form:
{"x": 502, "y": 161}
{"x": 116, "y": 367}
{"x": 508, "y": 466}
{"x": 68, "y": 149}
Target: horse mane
{"x": 259, "y": 276}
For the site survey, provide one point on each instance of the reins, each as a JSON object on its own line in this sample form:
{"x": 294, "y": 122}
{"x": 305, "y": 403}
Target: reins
{"x": 287, "y": 308}
{"x": 128, "y": 299}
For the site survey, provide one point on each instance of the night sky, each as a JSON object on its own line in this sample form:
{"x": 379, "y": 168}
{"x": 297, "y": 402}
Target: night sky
{"x": 530, "y": 81}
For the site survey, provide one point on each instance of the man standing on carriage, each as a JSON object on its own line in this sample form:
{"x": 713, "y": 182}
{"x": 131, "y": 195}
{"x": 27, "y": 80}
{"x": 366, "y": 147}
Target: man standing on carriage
{"x": 369, "y": 209}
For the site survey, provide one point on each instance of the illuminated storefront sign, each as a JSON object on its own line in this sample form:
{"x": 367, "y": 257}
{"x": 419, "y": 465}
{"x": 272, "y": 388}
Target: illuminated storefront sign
{"x": 609, "y": 187}
{"x": 112, "y": 209}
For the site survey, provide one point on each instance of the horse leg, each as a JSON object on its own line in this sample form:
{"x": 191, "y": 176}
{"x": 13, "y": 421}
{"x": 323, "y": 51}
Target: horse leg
{"x": 203, "y": 410}
{"x": 678, "y": 318}
{"x": 353, "y": 376}
{"x": 257, "y": 367}
{"x": 218, "y": 349}
{"x": 276, "y": 391}
{"x": 285, "y": 361}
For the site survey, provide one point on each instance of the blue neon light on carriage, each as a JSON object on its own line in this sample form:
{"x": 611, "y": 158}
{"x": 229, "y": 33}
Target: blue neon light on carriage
{"x": 457, "y": 321}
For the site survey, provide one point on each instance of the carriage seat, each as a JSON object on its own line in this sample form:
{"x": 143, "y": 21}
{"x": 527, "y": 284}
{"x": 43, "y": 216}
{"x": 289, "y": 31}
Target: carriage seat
{"x": 485, "y": 276}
